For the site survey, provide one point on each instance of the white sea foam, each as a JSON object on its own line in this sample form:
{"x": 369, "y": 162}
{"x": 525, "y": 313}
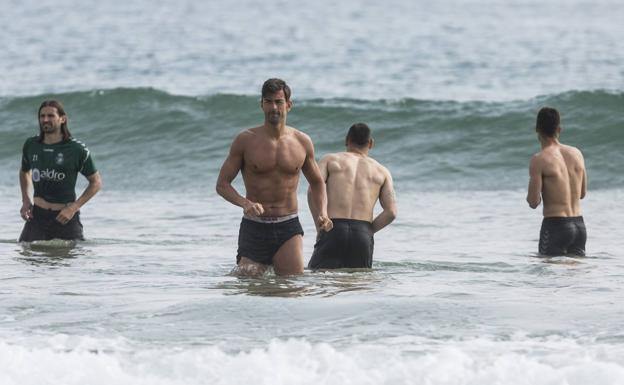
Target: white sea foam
{"x": 477, "y": 361}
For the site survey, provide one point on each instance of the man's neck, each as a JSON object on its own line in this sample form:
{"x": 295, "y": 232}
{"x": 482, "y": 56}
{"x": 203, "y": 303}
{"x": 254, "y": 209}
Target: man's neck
{"x": 358, "y": 150}
{"x": 548, "y": 142}
{"x": 275, "y": 130}
{"x": 52, "y": 138}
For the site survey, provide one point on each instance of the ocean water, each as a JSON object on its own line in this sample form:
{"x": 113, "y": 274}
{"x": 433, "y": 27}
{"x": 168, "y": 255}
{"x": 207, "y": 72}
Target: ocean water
{"x": 456, "y": 295}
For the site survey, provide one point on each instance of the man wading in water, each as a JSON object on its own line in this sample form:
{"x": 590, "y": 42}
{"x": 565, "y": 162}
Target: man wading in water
{"x": 270, "y": 158}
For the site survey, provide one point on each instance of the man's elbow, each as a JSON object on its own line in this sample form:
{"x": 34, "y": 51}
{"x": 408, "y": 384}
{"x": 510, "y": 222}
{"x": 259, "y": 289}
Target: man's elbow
{"x": 96, "y": 183}
{"x": 391, "y": 214}
{"x": 99, "y": 185}
{"x": 219, "y": 188}
{"x": 533, "y": 203}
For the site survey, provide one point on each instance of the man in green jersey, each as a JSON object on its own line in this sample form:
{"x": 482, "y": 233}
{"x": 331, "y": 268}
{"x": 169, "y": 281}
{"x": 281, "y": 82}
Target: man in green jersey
{"x": 51, "y": 162}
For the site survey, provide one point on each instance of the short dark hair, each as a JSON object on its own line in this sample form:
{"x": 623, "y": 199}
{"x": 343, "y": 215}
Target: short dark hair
{"x": 359, "y": 134}
{"x": 61, "y": 111}
{"x": 548, "y": 121}
{"x": 274, "y": 85}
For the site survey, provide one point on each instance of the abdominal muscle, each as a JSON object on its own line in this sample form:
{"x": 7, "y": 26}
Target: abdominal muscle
{"x": 276, "y": 194}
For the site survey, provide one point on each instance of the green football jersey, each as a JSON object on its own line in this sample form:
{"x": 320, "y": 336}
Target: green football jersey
{"x": 55, "y": 167}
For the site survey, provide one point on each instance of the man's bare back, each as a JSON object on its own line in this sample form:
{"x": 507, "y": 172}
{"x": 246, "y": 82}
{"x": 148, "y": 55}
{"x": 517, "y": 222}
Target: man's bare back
{"x": 557, "y": 176}
{"x": 354, "y": 184}
{"x": 563, "y": 177}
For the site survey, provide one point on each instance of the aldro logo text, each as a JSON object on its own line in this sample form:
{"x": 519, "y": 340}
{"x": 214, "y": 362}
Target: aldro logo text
{"x": 47, "y": 174}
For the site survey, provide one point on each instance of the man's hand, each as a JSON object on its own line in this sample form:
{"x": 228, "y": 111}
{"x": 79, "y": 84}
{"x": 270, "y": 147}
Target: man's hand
{"x": 67, "y": 213}
{"x": 324, "y": 223}
{"x": 253, "y": 209}
{"x": 26, "y": 211}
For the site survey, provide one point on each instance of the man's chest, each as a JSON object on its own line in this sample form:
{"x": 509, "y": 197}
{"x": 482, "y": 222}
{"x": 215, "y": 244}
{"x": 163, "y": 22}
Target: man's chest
{"x": 60, "y": 159}
{"x": 286, "y": 159}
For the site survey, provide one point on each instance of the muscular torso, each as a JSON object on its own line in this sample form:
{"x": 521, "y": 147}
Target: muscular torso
{"x": 353, "y": 185}
{"x": 562, "y": 181}
{"x": 271, "y": 168}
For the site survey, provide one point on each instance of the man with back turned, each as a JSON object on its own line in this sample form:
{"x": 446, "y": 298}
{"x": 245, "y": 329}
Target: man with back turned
{"x": 51, "y": 162}
{"x": 270, "y": 157}
{"x": 558, "y": 177}
{"x": 355, "y": 182}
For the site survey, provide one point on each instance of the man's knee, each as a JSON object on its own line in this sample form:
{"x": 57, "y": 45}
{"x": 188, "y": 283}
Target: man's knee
{"x": 248, "y": 268}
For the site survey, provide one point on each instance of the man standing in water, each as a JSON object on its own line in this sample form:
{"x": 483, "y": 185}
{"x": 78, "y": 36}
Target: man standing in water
{"x": 354, "y": 184}
{"x": 558, "y": 173}
{"x": 51, "y": 162}
{"x": 270, "y": 158}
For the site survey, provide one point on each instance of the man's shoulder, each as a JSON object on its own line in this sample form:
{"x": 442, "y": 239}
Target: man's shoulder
{"x": 571, "y": 149}
{"x": 31, "y": 140}
{"x": 382, "y": 169}
{"x": 342, "y": 158}
{"x": 247, "y": 134}
{"x": 300, "y": 135}
{"x": 76, "y": 144}
{"x": 375, "y": 163}
{"x": 545, "y": 154}
{"x": 539, "y": 159}
{"x": 334, "y": 156}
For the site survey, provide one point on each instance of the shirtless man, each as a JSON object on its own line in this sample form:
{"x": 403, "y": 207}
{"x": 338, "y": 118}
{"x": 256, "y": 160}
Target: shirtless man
{"x": 354, "y": 184}
{"x": 270, "y": 158}
{"x": 557, "y": 174}
{"x": 51, "y": 162}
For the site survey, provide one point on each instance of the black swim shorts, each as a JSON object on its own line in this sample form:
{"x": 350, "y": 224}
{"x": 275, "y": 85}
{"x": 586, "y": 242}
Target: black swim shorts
{"x": 43, "y": 226}
{"x": 260, "y": 238}
{"x": 348, "y": 245}
{"x": 563, "y": 236}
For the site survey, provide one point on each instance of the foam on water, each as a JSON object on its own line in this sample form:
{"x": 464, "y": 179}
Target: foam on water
{"x": 50, "y": 244}
{"x": 522, "y": 361}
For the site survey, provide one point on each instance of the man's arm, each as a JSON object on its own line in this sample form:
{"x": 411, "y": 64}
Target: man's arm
{"x": 584, "y": 183}
{"x": 387, "y": 200}
{"x": 25, "y": 181}
{"x": 314, "y": 210}
{"x": 95, "y": 184}
{"x": 317, "y": 187}
{"x": 534, "y": 194}
{"x": 230, "y": 168}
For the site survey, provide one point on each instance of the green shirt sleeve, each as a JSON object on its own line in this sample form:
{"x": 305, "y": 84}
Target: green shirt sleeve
{"x": 88, "y": 166}
{"x": 25, "y": 160}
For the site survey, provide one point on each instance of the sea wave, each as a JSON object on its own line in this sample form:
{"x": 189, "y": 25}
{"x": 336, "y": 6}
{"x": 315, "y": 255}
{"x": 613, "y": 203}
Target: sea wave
{"x": 148, "y": 139}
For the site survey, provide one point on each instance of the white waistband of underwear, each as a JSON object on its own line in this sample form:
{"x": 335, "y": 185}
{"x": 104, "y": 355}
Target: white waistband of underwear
{"x": 271, "y": 219}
